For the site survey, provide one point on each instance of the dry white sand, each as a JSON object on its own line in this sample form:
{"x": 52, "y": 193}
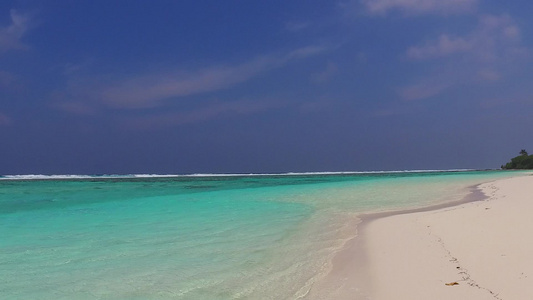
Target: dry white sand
{"x": 485, "y": 247}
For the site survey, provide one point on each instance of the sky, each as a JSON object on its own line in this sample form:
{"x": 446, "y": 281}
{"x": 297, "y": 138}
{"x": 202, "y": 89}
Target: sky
{"x": 210, "y": 86}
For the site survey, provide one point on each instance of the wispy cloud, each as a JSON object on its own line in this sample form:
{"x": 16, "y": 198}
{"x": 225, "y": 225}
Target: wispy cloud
{"x": 324, "y": 76}
{"x": 303, "y": 52}
{"x": 381, "y": 7}
{"x": 10, "y": 35}
{"x": 443, "y": 46}
{"x": 488, "y": 74}
{"x": 149, "y": 90}
{"x": 211, "y": 111}
{"x": 4, "y": 119}
{"x": 6, "y": 79}
{"x": 10, "y": 82}
{"x": 495, "y": 37}
{"x": 424, "y": 89}
{"x": 296, "y": 26}
{"x": 75, "y": 107}
{"x": 487, "y": 53}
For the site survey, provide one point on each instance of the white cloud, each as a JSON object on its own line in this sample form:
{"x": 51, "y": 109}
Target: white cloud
{"x": 10, "y": 35}
{"x": 296, "y": 26}
{"x": 89, "y": 95}
{"x": 423, "y": 90}
{"x": 488, "y": 53}
{"x": 303, "y": 53}
{"x": 75, "y": 107}
{"x": 496, "y": 37}
{"x": 324, "y": 76}
{"x": 150, "y": 89}
{"x": 10, "y": 82}
{"x": 419, "y": 6}
{"x": 489, "y": 74}
{"x": 202, "y": 114}
{"x": 6, "y": 79}
{"x": 147, "y": 90}
{"x": 4, "y": 119}
{"x": 443, "y": 46}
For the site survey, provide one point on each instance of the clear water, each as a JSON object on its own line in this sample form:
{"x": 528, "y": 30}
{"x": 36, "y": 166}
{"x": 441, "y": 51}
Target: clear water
{"x": 214, "y": 237}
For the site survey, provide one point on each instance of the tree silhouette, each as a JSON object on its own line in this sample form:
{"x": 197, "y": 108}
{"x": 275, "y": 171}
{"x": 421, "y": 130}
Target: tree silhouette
{"x": 521, "y": 162}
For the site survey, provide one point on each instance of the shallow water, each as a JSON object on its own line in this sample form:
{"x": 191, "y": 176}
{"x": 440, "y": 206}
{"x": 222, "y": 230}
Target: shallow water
{"x": 214, "y": 237}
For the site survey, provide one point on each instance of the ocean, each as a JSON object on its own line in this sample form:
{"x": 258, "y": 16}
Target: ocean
{"x": 195, "y": 237}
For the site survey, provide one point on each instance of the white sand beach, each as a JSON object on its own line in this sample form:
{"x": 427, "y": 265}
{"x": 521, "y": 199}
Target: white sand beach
{"x": 478, "y": 250}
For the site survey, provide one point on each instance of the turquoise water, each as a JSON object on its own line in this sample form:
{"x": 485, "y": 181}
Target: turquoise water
{"x": 213, "y": 237}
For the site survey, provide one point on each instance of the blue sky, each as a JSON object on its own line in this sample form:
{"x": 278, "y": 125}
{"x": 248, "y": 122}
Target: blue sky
{"x": 263, "y": 86}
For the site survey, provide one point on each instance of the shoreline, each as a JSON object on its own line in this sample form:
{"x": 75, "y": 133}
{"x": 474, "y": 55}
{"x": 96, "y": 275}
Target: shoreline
{"x": 347, "y": 276}
{"x": 405, "y": 254}
{"x": 475, "y": 195}
{"x": 478, "y": 249}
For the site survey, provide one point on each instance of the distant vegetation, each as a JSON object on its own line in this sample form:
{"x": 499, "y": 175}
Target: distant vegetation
{"x": 522, "y": 161}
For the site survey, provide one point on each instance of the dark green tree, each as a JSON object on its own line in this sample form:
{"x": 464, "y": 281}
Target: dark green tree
{"x": 522, "y": 161}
